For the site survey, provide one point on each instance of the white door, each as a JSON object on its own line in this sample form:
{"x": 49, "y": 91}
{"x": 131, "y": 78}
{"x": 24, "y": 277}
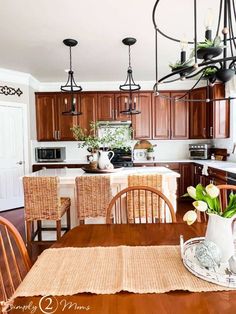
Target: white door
{"x": 11, "y": 157}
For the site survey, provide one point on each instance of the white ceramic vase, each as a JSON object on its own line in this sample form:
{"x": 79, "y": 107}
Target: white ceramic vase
{"x": 104, "y": 161}
{"x": 220, "y": 231}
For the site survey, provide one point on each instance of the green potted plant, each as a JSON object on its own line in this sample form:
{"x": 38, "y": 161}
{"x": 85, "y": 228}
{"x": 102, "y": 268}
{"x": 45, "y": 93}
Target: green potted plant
{"x": 102, "y": 146}
{"x": 150, "y": 153}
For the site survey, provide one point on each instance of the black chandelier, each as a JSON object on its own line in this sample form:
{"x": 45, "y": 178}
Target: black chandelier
{"x": 130, "y": 86}
{"x": 206, "y": 60}
{"x": 71, "y": 86}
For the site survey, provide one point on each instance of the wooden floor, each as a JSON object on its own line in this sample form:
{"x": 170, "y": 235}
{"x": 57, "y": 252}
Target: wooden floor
{"x": 16, "y": 216}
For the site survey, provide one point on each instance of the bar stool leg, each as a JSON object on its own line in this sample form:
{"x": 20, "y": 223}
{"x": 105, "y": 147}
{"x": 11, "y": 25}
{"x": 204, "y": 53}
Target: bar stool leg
{"x": 68, "y": 219}
{"x": 39, "y": 226}
{"x": 58, "y": 229}
{"x": 29, "y": 236}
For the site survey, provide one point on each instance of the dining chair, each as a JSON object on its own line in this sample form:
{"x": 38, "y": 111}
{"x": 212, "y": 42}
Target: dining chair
{"x": 93, "y": 194}
{"x": 139, "y": 204}
{"x": 43, "y": 203}
{"x": 14, "y": 259}
{"x": 225, "y": 190}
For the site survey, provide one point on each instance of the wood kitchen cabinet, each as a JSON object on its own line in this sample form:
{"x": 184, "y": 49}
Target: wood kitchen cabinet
{"x": 170, "y": 117}
{"x": 46, "y": 121}
{"x": 52, "y": 125}
{"x": 209, "y": 119}
{"x": 141, "y": 123}
{"x": 105, "y": 107}
{"x": 179, "y": 116}
{"x": 218, "y": 116}
{"x": 186, "y": 177}
{"x": 198, "y": 114}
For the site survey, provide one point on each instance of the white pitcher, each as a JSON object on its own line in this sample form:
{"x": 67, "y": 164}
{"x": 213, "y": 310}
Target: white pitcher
{"x": 104, "y": 162}
{"x": 220, "y": 231}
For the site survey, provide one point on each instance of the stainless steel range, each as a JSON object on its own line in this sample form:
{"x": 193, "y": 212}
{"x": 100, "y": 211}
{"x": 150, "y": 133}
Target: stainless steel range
{"x": 122, "y": 158}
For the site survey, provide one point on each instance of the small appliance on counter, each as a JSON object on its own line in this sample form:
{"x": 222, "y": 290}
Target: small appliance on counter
{"x": 50, "y": 154}
{"x": 200, "y": 151}
{"x": 122, "y": 158}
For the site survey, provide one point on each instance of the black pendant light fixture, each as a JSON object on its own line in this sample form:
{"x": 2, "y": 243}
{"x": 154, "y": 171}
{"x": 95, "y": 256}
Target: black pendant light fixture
{"x": 130, "y": 86}
{"x": 213, "y": 59}
{"x": 71, "y": 86}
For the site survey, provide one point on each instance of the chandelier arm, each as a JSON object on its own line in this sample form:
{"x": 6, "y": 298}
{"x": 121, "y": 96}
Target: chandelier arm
{"x": 156, "y": 56}
{"x": 195, "y": 31}
{"x": 231, "y": 32}
{"x": 212, "y": 66}
{"x": 216, "y": 61}
{"x": 232, "y": 64}
{"x": 189, "y": 91}
{"x": 153, "y": 14}
{"x": 231, "y": 44}
{"x": 234, "y": 9}
{"x": 219, "y": 18}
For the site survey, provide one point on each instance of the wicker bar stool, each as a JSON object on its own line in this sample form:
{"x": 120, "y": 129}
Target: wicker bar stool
{"x": 93, "y": 195}
{"x": 42, "y": 202}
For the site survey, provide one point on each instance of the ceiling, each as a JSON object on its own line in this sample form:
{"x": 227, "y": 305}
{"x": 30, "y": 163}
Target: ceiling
{"x": 31, "y": 36}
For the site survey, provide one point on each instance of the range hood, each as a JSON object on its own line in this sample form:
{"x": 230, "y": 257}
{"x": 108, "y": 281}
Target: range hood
{"x": 113, "y": 124}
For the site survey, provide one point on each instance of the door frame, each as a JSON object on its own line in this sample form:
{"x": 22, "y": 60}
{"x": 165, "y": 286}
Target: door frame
{"x": 23, "y": 106}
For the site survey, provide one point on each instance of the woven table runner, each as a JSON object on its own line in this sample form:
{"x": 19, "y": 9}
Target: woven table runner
{"x": 107, "y": 270}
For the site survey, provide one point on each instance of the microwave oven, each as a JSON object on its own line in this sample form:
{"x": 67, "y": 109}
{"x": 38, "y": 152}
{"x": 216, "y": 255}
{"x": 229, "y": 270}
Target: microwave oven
{"x": 200, "y": 151}
{"x": 50, "y": 154}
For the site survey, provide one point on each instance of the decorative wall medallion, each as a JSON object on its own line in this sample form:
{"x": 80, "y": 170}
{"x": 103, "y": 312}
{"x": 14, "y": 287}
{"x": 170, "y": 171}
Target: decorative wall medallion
{"x": 10, "y": 91}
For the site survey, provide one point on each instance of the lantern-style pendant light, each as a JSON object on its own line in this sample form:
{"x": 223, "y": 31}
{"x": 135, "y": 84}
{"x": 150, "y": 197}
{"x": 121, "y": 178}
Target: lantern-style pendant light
{"x": 130, "y": 86}
{"x": 71, "y": 86}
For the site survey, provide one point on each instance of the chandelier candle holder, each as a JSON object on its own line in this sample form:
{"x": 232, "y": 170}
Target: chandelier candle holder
{"x": 130, "y": 86}
{"x": 216, "y": 55}
{"x": 71, "y": 86}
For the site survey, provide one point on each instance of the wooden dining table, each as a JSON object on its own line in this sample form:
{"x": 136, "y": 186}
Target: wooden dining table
{"x": 177, "y": 302}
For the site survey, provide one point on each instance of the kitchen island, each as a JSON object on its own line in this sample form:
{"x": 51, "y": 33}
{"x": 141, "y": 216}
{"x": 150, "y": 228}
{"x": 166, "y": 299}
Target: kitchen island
{"x": 119, "y": 180}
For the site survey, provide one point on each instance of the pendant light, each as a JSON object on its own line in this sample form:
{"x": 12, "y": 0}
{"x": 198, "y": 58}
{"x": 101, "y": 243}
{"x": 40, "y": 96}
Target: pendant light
{"x": 130, "y": 86}
{"x": 71, "y": 86}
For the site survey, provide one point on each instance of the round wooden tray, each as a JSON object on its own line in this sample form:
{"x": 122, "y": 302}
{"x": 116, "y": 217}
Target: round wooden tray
{"x": 90, "y": 170}
{"x": 219, "y": 275}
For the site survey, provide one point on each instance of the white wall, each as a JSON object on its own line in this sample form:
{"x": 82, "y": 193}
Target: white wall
{"x": 27, "y": 84}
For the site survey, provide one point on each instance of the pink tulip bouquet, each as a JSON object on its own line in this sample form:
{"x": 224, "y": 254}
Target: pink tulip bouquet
{"x": 207, "y": 200}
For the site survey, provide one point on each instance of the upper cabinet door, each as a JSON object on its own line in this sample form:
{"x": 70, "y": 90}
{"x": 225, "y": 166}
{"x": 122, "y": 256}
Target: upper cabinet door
{"x": 179, "y": 117}
{"x": 121, "y": 104}
{"x": 88, "y": 108}
{"x": 219, "y": 123}
{"x": 46, "y": 117}
{"x": 65, "y": 122}
{"x": 106, "y": 107}
{"x": 142, "y": 123}
{"x": 161, "y": 116}
{"x": 198, "y": 114}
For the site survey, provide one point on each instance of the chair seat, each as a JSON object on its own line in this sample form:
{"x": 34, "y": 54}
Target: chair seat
{"x": 65, "y": 204}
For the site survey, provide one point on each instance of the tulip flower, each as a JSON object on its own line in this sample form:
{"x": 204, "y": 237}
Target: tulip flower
{"x": 200, "y": 205}
{"x": 190, "y": 217}
{"x": 212, "y": 190}
{"x": 192, "y": 192}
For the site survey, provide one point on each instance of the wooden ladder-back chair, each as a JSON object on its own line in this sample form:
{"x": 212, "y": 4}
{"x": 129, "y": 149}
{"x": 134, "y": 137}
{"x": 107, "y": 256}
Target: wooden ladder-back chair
{"x": 225, "y": 190}
{"x": 42, "y": 202}
{"x": 14, "y": 259}
{"x": 140, "y": 204}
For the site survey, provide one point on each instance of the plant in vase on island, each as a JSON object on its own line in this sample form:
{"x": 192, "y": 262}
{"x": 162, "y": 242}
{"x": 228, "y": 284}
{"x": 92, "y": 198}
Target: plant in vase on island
{"x": 220, "y": 220}
{"x": 101, "y": 147}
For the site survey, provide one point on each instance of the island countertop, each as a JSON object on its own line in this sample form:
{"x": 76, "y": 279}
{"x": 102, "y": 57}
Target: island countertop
{"x": 68, "y": 175}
